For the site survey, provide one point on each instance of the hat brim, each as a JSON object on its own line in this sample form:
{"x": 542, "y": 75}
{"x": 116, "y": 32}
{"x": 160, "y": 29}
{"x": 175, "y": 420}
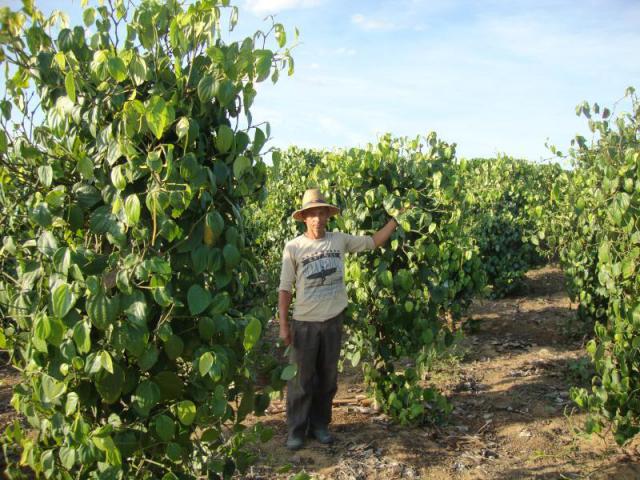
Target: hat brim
{"x": 333, "y": 210}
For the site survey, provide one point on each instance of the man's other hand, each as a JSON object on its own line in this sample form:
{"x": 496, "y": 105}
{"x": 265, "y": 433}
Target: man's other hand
{"x": 285, "y": 334}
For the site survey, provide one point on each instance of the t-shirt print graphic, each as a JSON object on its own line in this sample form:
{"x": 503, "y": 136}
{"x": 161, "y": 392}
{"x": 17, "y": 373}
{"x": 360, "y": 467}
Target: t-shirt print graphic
{"x": 322, "y": 274}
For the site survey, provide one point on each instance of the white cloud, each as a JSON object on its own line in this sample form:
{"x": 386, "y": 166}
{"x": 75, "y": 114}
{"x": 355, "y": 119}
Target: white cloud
{"x": 262, "y": 7}
{"x": 372, "y": 24}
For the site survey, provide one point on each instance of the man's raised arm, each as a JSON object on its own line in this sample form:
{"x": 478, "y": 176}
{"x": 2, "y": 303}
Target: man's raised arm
{"x": 382, "y": 235}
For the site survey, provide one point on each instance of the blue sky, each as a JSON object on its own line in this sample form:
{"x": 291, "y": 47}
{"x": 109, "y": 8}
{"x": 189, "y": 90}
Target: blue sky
{"x": 492, "y": 76}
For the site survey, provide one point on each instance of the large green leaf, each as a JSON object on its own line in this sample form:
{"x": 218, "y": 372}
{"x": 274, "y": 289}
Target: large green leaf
{"x": 82, "y": 336}
{"x": 62, "y": 299}
{"x": 186, "y": 412}
{"x": 241, "y": 165}
{"x": 289, "y": 372}
{"x": 252, "y": 333}
{"x": 117, "y": 69}
{"x": 67, "y": 457}
{"x": 159, "y": 116}
{"x": 165, "y": 427}
{"x": 109, "y": 384}
{"x": 51, "y": 389}
{"x": 103, "y": 311}
{"x": 70, "y": 86}
{"x": 41, "y": 215}
{"x": 198, "y": 299}
{"x": 138, "y": 70}
{"x": 206, "y": 88}
{"x": 205, "y": 363}
{"x": 146, "y": 396}
{"x": 132, "y": 209}
{"x": 224, "y": 138}
{"x": 173, "y": 347}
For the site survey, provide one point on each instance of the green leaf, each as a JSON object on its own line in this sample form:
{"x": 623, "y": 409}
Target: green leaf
{"x": 206, "y": 88}
{"x": 45, "y": 175}
{"x": 89, "y": 16}
{"x": 41, "y": 215}
{"x": 103, "y": 311}
{"x": 71, "y": 405}
{"x": 182, "y": 127}
{"x": 118, "y": 178}
{"x": 70, "y": 86}
{"x": 252, "y": 333}
{"x": 62, "y": 299}
{"x": 50, "y": 388}
{"x": 159, "y": 116}
{"x": 138, "y": 70}
{"x": 146, "y": 396}
{"x": 55, "y": 197}
{"x": 206, "y": 327}
{"x": 174, "y": 452}
{"x": 149, "y": 358}
{"x": 263, "y": 59}
{"x": 215, "y": 221}
{"x": 259, "y": 140}
{"x": 241, "y": 165}
{"x": 386, "y": 278}
{"x": 132, "y": 210}
{"x": 165, "y": 427}
{"x": 186, "y": 412}
{"x": 47, "y": 244}
{"x": 224, "y": 138}
{"x": 205, "y": 363}
{"x": 628, "y": 267}
{"x": 117, "y": 69}
{"x": 67, "y": 457}
{"x": 225, "y": 92}
{"x": 85, "y": 167}
{"x": 173, "y": 347}
{"x": 231, "y": 255}
{"x": 82, "y": 336}
{"x": 106, "y": 361}
{"x": 289, "y": 372}
{"x": 42, "y": 328}
{"x": 198, "y": 299}
{"x": 103, "y": 221}
{"x": 281, "y": 36}
{"x": 604, "y": 253}
{"x": 221, "y": 303}
{"x": 109, "y": 384}
{"x": 48, "y": 463}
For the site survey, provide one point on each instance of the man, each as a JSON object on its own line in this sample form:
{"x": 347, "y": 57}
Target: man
{"x": 314, "y": 263}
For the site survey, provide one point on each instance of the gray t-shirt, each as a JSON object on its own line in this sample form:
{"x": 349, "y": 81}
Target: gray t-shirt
{"x": 316, "y": 268}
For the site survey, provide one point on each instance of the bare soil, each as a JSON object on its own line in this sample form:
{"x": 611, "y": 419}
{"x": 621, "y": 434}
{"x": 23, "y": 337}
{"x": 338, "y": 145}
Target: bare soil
{"x": 512, "y": 417}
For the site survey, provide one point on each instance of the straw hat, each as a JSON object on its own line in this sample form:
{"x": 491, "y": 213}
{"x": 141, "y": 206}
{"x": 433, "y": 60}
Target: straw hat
{"x": 313, "y": 198}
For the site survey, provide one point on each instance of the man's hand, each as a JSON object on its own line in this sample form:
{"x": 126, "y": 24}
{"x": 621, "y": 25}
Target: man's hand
{"x": 285, "y": 334}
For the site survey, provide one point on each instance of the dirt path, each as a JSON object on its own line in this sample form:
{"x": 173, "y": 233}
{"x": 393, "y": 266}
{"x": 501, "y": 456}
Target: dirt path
{"x": 512, "y": 414}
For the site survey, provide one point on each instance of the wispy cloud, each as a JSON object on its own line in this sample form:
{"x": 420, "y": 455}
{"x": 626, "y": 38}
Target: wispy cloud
{"x": 372, "y": 24}
{"x": 261, "y": 7}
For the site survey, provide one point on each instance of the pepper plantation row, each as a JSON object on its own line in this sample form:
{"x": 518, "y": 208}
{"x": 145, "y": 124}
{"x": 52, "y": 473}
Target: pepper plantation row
{"x": 473, "y": 228}
{"x": 142, "y": 234}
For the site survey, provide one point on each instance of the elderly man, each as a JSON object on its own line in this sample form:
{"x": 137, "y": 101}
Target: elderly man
{"x": 314, "y": 263}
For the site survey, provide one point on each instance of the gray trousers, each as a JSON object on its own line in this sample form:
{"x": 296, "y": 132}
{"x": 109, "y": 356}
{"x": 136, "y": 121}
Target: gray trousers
{"x": 315, "y": 349}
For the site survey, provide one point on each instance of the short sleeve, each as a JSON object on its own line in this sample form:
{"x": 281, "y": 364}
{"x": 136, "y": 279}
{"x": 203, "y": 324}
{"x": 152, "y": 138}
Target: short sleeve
{"x": 358, "y": 243}
{"x": 288, "y": 272}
